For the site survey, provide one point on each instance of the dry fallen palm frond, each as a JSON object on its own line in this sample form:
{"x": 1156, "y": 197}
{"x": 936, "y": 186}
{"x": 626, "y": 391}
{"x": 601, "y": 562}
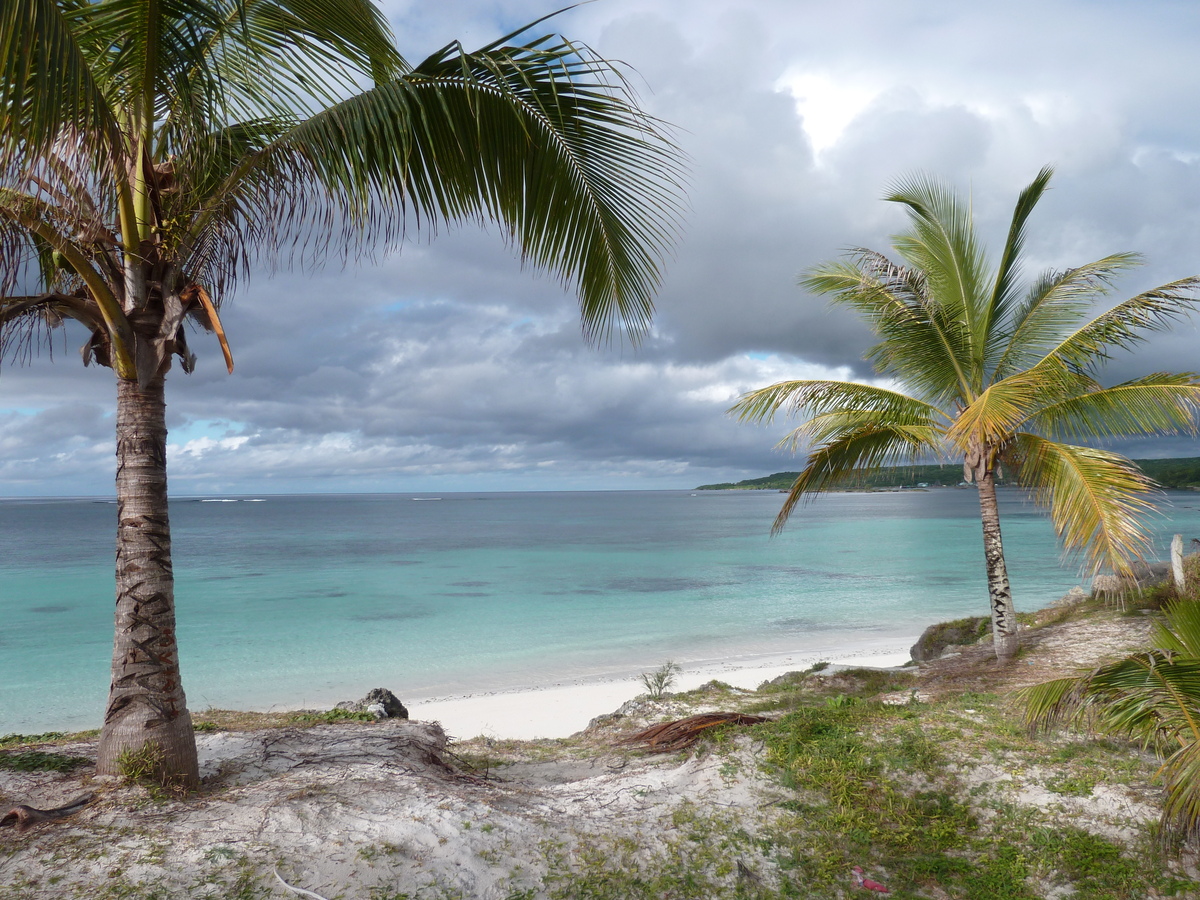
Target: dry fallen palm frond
{"x": 682, "y": 733}
{"x": 25, "y": 817}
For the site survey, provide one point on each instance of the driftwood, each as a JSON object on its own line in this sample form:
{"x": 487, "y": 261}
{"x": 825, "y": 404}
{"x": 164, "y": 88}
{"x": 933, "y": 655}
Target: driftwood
{"x": 682, "y": 733}
{"x": 25, "y": 817}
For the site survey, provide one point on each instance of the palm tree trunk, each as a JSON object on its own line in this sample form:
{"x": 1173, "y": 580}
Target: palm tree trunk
{"x": 1004, "y": 614}
{"x": 145, "y": 702}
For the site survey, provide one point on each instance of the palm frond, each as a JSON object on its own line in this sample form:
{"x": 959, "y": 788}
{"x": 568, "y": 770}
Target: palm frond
{"x": 537, "y": 138}
{"x": 857, "y": 452}
{"x": 48, "y": 91}
{"x": 1151, "y": 696}
{"x": 1159, "y": 403}
{"x": 1128, "y": 323}
{"x": 1004, "y": 405}
{"x": 1005, "y": 286}
{"x": 1054, "y": 307}
{"x": 1097, "y": 500}
{"x": 942, "y": 243}
{"x": 1181, "y": 782}
{"x": 1178, "y": 631}
{"x": 917, "y": 343}
{"x": 816, "y": 397}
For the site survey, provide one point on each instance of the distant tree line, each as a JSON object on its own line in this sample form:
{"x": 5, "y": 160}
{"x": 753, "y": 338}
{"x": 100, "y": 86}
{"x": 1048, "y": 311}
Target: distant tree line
{"x": 1176, "y": 474}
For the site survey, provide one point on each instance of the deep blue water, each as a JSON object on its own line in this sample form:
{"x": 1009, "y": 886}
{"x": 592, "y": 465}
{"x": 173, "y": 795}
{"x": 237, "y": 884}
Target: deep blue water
{"x": 315, "y": 598}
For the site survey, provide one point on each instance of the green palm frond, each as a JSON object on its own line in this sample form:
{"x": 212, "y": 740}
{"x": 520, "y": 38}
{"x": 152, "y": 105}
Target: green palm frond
{"x": 48, "y": 91}
{"x": 1127, "y": 324}
{"x": 1055, "y": 306}
{"x": 817, "y": 397}
{"x": 1159, "y": 403}
{"x": 1152, "y": 696}
{"x": 1181, "y": 783}
{"x": 1097, "y": 500}
{"x": 534, "y": 137}
{"x": 858, "y": 451}
{"x": 942, "y": 243}
{"x": 1004, "y": 405}
{"x": 918, "y": 344}
{"x": 831, "y": 426}
{"x": 1178, "y": 631}
{"x": 1006, "y": 284}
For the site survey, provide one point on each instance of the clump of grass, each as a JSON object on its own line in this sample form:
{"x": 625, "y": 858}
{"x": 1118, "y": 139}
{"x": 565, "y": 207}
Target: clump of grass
{"x": 308, "y": 717}
{"x": 16, "y": 740}
{"x": 146, "y": 766}
{"x": 661, "y": 679}
{"x": 40, "y": 761}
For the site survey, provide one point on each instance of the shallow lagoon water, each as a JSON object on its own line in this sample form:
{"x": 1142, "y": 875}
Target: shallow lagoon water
{"x": 292, "y": 600}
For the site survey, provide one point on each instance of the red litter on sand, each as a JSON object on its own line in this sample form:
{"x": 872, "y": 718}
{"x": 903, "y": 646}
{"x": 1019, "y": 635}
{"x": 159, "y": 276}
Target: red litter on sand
{"x": 860, "y": 880}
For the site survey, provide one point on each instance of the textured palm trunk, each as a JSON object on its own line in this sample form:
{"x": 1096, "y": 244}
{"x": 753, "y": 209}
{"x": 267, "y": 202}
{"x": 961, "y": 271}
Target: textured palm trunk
{"x": 146, "y": 702}
{"x": 1004, "y": 614}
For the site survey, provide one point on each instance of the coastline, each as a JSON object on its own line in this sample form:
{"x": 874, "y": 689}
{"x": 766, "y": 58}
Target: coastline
{"x": 560, "y": 709}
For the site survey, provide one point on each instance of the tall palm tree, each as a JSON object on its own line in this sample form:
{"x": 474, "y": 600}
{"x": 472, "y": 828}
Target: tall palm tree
{"x": 997, "y": 374}
{"x": 152, "y": 152}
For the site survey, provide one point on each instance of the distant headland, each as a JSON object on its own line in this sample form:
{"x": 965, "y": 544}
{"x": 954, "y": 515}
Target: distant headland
{"x": 1180, "y": 474}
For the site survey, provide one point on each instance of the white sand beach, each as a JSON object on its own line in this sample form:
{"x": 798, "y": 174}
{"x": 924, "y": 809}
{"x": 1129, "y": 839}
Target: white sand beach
{"x": 561, "y": 709}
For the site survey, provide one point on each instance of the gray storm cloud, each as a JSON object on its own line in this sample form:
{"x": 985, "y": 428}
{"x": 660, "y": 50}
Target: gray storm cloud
{"x": 447, "y": 366}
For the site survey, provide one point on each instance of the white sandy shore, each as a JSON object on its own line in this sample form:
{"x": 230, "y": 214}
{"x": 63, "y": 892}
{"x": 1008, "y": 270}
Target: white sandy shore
{"x": 562, "y": 709}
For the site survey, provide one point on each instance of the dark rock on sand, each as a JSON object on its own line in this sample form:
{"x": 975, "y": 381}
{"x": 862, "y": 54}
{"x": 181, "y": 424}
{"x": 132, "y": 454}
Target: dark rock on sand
{"x": 380, "y": 702}
{"x": 936, "y": 638}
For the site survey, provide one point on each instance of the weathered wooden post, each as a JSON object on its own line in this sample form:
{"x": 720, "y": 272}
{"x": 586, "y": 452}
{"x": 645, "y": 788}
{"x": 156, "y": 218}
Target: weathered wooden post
{"x": 1177, "y": 562}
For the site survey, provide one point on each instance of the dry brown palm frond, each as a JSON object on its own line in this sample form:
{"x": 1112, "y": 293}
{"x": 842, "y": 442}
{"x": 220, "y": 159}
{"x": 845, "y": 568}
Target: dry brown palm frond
{"x": 682, "y": 733}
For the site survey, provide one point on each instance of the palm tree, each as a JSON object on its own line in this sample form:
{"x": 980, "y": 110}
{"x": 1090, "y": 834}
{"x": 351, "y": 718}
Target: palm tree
{"x": 1152, "y": 696}
{"x": 997, "y": 374}
{"x": 153, "y": 153}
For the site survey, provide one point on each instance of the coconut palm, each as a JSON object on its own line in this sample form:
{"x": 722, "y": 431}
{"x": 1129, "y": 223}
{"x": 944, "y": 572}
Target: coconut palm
{"x": 152, "y": 153}
{"x": 1152, "y": 696}
{"x": 994, "y": 373}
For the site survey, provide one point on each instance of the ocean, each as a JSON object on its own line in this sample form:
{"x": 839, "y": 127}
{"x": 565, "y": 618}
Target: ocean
{"x": 288, "y": 601}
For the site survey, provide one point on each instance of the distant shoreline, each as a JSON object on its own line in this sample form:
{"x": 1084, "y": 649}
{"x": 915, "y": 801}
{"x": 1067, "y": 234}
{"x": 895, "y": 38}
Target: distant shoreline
{"x": 1176, "y": 474}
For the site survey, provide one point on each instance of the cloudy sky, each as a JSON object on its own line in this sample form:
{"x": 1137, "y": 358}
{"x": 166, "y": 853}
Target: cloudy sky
{"x": 448, "y": 367}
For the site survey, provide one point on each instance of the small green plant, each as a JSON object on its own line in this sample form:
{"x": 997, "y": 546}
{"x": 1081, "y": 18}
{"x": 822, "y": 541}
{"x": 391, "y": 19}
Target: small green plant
{"x": 147, "y": 766}
{"x": 661, "y": 679}
{"x": 1072, "y": 785}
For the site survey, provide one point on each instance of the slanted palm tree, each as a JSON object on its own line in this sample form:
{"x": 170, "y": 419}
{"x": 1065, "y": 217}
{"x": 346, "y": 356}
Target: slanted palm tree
{"x": 153, "y": 152}
{"x": 996, "y": 374}
{"x": 1152, "y": 696}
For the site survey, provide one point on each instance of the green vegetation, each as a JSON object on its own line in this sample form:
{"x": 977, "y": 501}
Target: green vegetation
{"x": 1001, "y": 375}
{"x": 39, "y": 761}
{"x": 1152, "y": 696}
{"x": 1179, "y": 474}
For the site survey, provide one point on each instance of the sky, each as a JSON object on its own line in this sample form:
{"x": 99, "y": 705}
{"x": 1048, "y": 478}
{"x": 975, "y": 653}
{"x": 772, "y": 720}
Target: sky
{"x": 447, "y": 366}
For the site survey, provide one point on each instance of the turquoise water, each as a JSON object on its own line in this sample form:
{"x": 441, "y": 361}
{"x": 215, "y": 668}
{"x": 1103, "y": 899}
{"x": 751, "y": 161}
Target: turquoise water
{"x": 310, "y": 599}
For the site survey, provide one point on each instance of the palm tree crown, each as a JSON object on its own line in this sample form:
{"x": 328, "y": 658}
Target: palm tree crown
{"x": 153, "y": 151}
{"x": 993, "y": 372}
